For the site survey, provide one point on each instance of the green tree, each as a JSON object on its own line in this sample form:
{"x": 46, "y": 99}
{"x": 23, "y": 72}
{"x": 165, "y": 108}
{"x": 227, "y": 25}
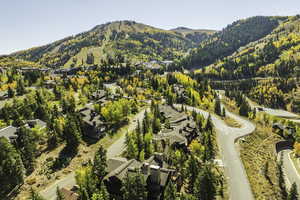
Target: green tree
{"x": 72, "y": 134}
{"x": 205, "y": 187}
{"x": 26, "y": 143}
{"x": 34, "y": 195}
{"x": 99, "y": 165}
{"x": 293, "y": 193}
{"x": 102, "y": 194}
{"x": 10, "y": 92}
{"x": 218, "y": 107}
{"x": 11, "y": 167}
{"x": 134, "y": 187}
{"x": 170, "y": 191}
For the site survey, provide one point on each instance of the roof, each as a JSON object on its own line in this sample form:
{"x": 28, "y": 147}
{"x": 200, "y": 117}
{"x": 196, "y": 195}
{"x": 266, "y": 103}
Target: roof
{"x": 8, "y": 132}
{"x": 114, "y": 163}
{"x": 99, "y": 94}
{"x": 122, "y": 170}
{"x": 68, "y": 194}
{"x": 170, "y": 113}
{"x": 36, "y": 122}
{"x": 90, "y": 116}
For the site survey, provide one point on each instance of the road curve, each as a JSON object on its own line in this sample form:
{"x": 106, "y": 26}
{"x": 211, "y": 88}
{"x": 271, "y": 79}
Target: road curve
{"x": 239, "y": 187}
{"x": 113, "y": 151}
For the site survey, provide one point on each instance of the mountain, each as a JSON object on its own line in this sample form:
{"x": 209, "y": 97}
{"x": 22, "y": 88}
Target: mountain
{"x": 230, "y": 39}
{"x": 196, "y": 35}
{"x": 275, "y": 55}
{"x": 267, "y": 70}
{"x": 116, "y": 41}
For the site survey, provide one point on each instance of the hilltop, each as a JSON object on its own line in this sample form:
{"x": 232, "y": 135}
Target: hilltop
{"x": 120, "y": 40}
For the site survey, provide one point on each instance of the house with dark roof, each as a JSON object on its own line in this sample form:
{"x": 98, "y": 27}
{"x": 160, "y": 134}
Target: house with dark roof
{"x": 98, "y": 95}
{"x": 181, "y": 131}
{"x": 93, "y": 125}
{"x": 36, "y": 123}
{"x": 154, "y": 171}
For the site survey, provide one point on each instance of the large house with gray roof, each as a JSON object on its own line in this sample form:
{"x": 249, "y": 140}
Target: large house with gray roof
{"x": 154, "y": 170}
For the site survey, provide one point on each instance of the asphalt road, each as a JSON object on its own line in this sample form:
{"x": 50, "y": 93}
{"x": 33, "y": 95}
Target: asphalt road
{"x": 291, "y": 174}
{"x": 275, "y": 112}
{"x": 239, "y": 187}
{"x": 113, "y": 151}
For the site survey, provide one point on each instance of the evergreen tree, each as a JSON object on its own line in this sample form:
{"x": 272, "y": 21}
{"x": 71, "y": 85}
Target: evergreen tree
{"x": 10, "y": 92}
{"x": 21, "y": 90}
{"x": 170, "y": 192}
{"x": 27, "y": 145}
{"x": 192, "y": 171}
{"x": 134, "y": 187}
{"x": 205, "y": 187}
{"x": 293, "y": 193}
{"x": 224, "y": 112}
{"x": 209, "y": 125}
{"x": 99, "y": 165}
{"x": 11, "y": 167}
{"x": 72, "y": 134}
{"x": 218, "y": 107}
{"x": 102, "y": 194}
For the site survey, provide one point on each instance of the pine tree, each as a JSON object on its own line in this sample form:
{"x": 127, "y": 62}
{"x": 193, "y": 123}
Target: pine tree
{"x": 192, "y": 171}
{"x": 205, "y": 187}
{"x": 11, "y": 166}
{"x": 134, "y": 187}
{"x": 218, "y": 107}
{"x": 10, "y": 92}
{"x": 99, "y": 165}
{"x": 72, "y": 134}
{"x": 170, "y": 191}
{"x": 27, "y": 145}
{"x": 224, "y": 112}
{"x": 102, "y": 194}
{"x": 293, "y": 193}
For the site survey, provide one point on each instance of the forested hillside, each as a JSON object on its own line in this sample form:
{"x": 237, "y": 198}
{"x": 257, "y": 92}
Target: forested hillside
{"x": 274, "y": 63}
{"x": 117, "y": 41}
{"x": 230, "y": 39}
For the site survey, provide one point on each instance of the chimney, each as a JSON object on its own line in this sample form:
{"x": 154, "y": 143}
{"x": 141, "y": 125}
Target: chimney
{"x": 155, "y": 174}
{"x": 145, "y": 168}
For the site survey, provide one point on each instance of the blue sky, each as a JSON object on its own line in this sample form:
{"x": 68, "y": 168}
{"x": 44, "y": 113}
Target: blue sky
{"x": 29, "y": 23}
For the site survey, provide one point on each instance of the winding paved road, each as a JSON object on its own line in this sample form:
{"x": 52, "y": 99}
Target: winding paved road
{"x": 291, "y": 174}
{"x": 239, "y": 187}
{"x": 113, "y": 151}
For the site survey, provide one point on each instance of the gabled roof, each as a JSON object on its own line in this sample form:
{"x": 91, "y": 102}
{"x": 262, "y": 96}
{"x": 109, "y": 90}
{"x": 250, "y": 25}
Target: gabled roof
{"x": 8, "y": 132}
{"x": 114, "y": 163}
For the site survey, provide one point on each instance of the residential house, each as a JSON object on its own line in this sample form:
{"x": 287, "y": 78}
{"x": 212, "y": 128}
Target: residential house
{"x": 9, "y": 132}
{"x": 154, "y": 171}
{"x": 93, "y": 125}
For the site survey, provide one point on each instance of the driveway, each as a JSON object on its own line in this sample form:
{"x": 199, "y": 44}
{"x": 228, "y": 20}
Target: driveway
{"x": 113, "y": 151}
{"x": 239, "y": 187}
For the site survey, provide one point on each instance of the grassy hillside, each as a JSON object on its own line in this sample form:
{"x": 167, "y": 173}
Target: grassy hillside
{"x": 117, "y": 41}
{"x": 230, "y": 39}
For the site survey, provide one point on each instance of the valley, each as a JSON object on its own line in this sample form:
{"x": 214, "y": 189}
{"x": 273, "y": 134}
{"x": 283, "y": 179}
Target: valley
{"x": 127, "y": 111}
